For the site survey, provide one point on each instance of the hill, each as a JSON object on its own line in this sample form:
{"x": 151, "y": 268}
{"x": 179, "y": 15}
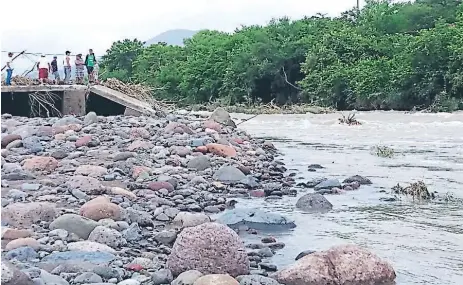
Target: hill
{"x": 172, "y": 37}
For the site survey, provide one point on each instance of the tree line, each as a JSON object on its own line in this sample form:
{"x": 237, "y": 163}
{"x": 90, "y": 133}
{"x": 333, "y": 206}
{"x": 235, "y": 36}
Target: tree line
{"x": 387, "y": 55}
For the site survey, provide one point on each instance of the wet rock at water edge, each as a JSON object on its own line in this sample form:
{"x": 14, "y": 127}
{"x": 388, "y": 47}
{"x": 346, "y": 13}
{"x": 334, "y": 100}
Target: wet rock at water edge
{"x": 357, "y": 178}
{"x": 304, "y": 253}
{"x": 314, "y": 202}
{"x": 229, "y": 174}
{"x": 345, "y": 264}
{"x": 255, "y": 219}
{"x": 327, "y": 184}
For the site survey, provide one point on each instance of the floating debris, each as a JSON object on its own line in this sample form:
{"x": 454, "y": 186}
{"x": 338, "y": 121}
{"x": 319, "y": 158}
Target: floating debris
{"x": 383, "y": 151}
{"x": 350, "y": 120}
{"x": 417, "y": 190}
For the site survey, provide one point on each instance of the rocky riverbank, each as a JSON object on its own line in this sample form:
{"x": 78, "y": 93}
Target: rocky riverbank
{"x": 129, "y": 200}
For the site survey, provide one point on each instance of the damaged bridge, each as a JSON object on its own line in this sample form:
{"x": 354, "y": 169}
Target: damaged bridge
{"x": 70, "y": 100}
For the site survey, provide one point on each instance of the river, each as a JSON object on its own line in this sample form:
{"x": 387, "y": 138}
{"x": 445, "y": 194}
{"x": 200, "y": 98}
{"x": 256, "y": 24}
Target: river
{"x": 424, "y": 241}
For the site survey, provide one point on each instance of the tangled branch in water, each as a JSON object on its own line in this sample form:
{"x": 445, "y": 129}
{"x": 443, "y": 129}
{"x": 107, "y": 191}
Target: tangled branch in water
{"x": 383, "y": 151}
{"x": 417, "y": 190}
{"x": 350, "y": 120}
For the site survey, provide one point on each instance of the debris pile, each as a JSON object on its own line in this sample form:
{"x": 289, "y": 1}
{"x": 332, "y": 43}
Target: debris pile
{"x": 350, "y": 120}
{"x": 137, "y": 91}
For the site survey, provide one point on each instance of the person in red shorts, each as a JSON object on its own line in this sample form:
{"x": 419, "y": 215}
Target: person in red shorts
{"x": 44, "y": 67}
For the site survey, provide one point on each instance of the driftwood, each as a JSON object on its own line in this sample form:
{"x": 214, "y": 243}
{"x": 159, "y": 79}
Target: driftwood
{"x": 350, "y": 120}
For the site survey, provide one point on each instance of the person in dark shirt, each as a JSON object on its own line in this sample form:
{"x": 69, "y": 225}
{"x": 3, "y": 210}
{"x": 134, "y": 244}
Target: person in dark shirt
{"x": 54, "y": 69}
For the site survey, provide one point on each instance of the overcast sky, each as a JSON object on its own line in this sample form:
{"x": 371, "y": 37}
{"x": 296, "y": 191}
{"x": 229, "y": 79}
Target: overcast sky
{"x": 55, "y": 26}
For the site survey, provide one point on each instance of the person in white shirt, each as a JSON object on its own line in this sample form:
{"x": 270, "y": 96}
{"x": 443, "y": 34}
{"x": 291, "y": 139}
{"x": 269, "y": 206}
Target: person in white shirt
{"x": 67, "y": 67}
{"x": 9, "y": 69}
{"x": 44, "y": 67}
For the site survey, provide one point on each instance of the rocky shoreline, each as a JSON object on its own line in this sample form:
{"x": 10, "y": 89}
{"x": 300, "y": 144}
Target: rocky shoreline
{"x": 129, "y": 200}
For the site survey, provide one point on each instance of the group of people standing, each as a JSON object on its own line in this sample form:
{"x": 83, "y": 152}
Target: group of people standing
{"x": 45, "y": 67}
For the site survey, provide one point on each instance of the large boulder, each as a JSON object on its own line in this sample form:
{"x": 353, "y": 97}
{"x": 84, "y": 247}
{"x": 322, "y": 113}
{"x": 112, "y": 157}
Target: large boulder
{"x": 210, "y": 248}
{"x": 223, "y": 117}
{"x": 314, "y": 202}
{"x": 76, "y": 224}
{"x": 23, "y": 215}
{"x": 340, "y": 265}
{"x": 255, "y": 219}
{"x": 229, "y": 174}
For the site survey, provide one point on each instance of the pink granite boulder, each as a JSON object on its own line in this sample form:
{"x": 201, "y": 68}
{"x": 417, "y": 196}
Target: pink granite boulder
{"x": 340, "y": 265}
{"x": 210, "y": 248}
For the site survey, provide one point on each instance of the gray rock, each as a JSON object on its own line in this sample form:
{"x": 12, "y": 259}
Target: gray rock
{"x": 90, "y": 118}
{"x": 79, "y": 256}
{"x": 33, "y": 144}
{"x": 256, "y": 280}
{"x": 187, "y": 278}
{"x": 250, "y": 181}
{"x": 59, "y": 154}
{"x": 165, "y": 237}
{"x": 163, "y": 276}
{"x": 106, "y": 272}
{"x": 76, "y": 224}
{"x": 357, "y": 178}
{"x": 16, "y": 194}
{"x": 229, "y": 174}
{"x": 199, "y": 163}
{"x": 13, "y": 276}
{"x": 123, "y": 156}
{"x": 24, "y": 253}
{"x": 327, "y": 184}
{"x": 79, "y": 194}
{"x": 107, "y": 236}
{"x": 142, "y": 218}
{"x": 265, "y": 252}
{"x": 30, "y": 186}
{"x": 223, "y": 117}
{"x": 129, "y": 282}
{"x": 132, "y": 233}
{"x": 255, "y": 219}
{"x": 88, "y": 277}
{"x": 314, "y": 202}
{"x": 68, "y": 120}
{"x": 50, "y": 279}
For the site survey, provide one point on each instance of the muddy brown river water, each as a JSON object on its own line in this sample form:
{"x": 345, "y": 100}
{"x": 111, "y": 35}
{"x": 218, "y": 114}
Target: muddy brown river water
{"x": 424, "y": 241}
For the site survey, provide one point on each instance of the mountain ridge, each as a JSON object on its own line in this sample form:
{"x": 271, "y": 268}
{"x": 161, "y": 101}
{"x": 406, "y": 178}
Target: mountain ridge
{"x": 172, "y": 37}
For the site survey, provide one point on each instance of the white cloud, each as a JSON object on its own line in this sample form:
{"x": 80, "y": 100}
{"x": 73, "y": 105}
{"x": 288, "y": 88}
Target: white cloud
{"x": 55, "y": 26}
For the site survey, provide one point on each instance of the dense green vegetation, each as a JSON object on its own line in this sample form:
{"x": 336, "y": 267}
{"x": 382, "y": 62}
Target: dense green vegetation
{"x": 385, "y": 56}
